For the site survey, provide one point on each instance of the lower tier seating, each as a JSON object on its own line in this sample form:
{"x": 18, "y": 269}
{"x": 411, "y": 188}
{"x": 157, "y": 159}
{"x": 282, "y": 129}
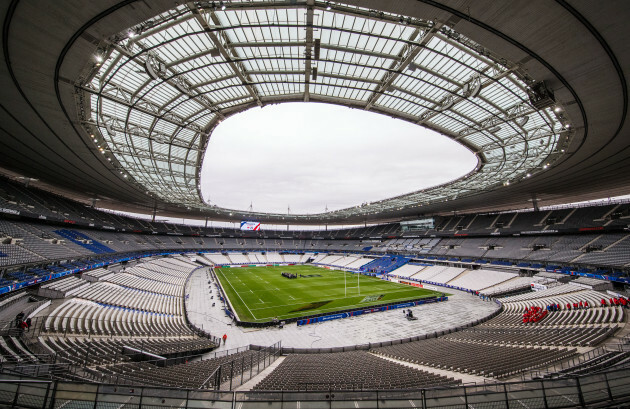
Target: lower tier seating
{"x": 480, "y": 359}
{"x": 346, "y": 370}
{"x": 90, "y": 352}
{"x": 194, "y": 375}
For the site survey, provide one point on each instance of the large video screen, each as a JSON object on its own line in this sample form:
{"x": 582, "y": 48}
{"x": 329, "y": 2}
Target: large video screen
{"x": 250, "y": 226}
{"x": 421, "y": 224}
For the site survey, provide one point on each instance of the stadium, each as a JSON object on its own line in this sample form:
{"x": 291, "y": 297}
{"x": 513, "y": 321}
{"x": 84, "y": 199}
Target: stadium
{"x": 126, "y": 283}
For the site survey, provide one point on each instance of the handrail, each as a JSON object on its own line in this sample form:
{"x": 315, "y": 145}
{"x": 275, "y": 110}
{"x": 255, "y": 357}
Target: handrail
{"x": 603, "y": 388}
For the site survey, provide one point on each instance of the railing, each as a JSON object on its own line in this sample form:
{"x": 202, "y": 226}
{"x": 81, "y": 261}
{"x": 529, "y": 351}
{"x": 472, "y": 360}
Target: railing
{"x": 229, "y": 374}
{"x": 564, "y": 365}
{"x": 238, "y": 371}
{"x": 600, "y": 389}
{"x": 36, "y": 370}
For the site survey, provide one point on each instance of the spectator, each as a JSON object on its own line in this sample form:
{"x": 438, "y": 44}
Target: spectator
{"x": 603, "y": 302}
{"x": 224, "y": 338}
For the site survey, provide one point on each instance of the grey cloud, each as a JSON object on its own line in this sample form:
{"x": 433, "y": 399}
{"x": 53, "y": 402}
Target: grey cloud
{"x": 312, "y": 155}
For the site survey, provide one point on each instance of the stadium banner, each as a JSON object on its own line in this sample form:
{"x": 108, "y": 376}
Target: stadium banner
{"x": 356, "y": 313}
{"x": 250, "y": 226}
{"x": 411, "y": 283}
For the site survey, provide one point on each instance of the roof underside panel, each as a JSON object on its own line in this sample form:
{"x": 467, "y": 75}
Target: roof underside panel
{"x": 163, "y": 85}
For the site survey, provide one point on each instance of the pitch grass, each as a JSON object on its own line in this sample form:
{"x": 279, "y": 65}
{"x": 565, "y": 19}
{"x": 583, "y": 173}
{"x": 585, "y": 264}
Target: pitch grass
{"x": 258, "y": 294}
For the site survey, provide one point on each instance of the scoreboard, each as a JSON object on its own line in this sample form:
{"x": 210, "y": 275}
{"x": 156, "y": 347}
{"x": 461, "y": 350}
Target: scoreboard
{"x": 250, "y": 226}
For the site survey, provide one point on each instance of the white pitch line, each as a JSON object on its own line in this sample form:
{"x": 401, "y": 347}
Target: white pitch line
{"x": 239, "y": 296}
{"x": 367, "y": 305}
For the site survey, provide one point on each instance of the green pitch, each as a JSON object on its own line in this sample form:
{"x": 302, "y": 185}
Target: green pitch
{"x": 258, "y": 294}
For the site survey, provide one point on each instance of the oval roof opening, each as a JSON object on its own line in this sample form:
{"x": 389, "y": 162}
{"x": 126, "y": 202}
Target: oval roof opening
{"x": 308, "y": 157}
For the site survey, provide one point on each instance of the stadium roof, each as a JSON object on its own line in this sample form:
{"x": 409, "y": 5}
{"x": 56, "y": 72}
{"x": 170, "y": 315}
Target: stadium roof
{"x": 118, "y": 100}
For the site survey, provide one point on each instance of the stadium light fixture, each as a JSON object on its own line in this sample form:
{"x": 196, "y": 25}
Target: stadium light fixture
{"x": 521, "y": 121}
{"x": 472, "y": 88}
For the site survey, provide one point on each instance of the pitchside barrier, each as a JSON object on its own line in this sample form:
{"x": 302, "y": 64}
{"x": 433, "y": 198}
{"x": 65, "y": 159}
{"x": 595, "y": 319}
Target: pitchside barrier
{"x": 355, "y": 313}
{"x": 255, "y": 265}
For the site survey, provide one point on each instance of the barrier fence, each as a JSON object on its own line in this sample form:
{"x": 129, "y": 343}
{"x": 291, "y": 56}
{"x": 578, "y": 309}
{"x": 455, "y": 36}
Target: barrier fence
{"x": 232, "y": 367}
{"x": 597, "y": 389}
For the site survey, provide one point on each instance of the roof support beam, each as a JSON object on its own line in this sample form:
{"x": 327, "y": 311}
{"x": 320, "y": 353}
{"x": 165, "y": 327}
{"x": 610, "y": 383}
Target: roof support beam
{"x": 225, "y": 49}
{"x": 203, "y": 53}
{"x": 308, "y": 52}
{"x": 405, "y": 57}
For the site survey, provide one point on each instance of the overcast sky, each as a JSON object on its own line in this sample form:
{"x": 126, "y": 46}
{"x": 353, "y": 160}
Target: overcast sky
{"x": 310, "y": 155}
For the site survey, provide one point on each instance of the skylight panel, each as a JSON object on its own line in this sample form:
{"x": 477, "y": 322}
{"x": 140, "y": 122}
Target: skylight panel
{"x": 354, "y": 58}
